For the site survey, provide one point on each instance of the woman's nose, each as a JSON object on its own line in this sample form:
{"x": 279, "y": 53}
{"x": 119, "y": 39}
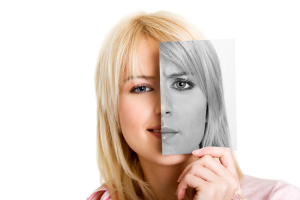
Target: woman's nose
{"x": 166, "y": 104}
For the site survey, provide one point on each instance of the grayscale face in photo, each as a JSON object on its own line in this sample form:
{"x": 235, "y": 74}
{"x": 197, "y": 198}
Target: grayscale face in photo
{"x": 183, "y": 109}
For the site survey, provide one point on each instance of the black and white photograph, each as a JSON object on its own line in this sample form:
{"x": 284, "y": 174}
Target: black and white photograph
{"x": 192, "y": 95}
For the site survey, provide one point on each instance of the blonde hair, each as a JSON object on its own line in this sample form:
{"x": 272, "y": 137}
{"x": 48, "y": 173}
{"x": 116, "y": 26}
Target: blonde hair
{"x": 118, "y": 164}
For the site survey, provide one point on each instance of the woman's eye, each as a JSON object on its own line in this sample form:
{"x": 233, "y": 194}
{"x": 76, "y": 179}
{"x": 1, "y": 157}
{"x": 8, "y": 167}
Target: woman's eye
{"x": 183, "y": 85}
{"x": 140, "y": 89}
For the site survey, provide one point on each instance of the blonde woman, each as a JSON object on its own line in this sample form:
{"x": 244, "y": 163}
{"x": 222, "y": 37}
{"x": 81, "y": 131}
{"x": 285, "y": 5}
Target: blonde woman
{"x": 130, "y": 117}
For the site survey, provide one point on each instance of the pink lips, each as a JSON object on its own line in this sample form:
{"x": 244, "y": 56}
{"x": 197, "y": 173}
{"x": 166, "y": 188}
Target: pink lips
{"x": 166, "y": 131}
{"x": 158, "y": 127}
{"x": 156, "y": 134}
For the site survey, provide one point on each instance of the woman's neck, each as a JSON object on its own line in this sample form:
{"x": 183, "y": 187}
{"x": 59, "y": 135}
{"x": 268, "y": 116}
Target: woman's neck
{"x": 163, "y": 178}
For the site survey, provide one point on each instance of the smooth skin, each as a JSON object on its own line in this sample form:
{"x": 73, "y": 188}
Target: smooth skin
{"x": 211, "y": 178}
{"x": 139, "y": 109}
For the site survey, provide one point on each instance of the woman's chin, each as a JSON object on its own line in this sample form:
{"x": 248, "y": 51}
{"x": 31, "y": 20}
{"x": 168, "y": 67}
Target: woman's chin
{"x": 174, "y": 159}
{"x": 172, "y": 149}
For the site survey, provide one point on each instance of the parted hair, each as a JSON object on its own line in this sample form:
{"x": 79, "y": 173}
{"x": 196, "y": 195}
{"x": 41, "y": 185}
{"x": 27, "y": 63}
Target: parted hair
{"x": 118, "y": 164}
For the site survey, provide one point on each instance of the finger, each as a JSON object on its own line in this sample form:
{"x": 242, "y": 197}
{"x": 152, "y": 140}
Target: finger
{"x": 199, "y": 171}
{"x": 223, "y": 153}
{"x": 190, "y": 181}
{"x": 209, "y": 163}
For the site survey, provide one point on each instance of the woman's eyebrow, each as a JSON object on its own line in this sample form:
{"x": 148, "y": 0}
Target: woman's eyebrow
{"x": 144, "y": 77}
{"x": 174, "y": 75}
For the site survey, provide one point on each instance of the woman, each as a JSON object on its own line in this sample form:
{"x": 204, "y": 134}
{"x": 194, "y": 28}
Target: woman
{"x": 129, "y": 116}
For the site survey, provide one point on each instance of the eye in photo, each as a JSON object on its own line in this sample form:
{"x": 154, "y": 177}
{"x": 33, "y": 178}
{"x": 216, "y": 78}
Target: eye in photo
{"x": 193, "y": 109}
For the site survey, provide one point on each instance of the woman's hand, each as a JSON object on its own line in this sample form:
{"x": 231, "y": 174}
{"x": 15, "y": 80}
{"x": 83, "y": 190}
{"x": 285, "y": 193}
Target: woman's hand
{"x": 212, "y": 179}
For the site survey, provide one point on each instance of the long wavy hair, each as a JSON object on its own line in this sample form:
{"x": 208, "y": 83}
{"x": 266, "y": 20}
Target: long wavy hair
{"x": 118, "y": 164}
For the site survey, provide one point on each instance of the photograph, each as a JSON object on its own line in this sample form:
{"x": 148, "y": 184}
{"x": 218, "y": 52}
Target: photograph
{"x": 140, "y": 100}
{"x": 192, "y": 96}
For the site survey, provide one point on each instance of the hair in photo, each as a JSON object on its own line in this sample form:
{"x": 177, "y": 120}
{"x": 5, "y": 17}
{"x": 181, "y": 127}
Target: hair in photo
{"x": 118, "y": 164}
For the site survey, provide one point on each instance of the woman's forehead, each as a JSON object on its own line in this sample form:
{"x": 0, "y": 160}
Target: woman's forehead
{"x": 145, "y": 62}
{"x": 152, "y": 61}
{"x": 166, "y": 68}
{"x": 170, "y": 68}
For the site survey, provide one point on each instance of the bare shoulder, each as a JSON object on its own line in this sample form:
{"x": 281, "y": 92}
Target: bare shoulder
{"x": 257, "y": 188}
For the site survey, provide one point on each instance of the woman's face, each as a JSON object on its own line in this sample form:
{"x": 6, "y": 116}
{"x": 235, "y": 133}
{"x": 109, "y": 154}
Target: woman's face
{"x": 140, "y": 109}
{"x": 183, "y": 109}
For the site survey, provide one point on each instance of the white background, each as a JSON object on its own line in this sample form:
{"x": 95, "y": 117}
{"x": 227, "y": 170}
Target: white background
{"x": 48, "y": 110}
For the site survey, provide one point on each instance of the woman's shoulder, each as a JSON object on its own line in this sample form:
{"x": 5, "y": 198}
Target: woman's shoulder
{"x": 257, "y": 188}
{"x": 100, "y": 193}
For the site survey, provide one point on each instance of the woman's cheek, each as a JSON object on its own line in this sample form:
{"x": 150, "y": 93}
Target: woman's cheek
{"x": 128, "y": 114}
{"x": 133, "y": 114}
{"x": 134, "y": 118}
{"x": 192, "y": 117}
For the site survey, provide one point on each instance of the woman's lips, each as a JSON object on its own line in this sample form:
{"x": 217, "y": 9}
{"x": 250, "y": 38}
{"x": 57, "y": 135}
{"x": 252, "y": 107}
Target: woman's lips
{"x": 156, "y": 134}
{"x": 166, "y": 129}
{"x": 156, "y": 131}
{"x": 158, "y": 127}
{"x": 162, "y": 133}
{"x": 168, "y": 133}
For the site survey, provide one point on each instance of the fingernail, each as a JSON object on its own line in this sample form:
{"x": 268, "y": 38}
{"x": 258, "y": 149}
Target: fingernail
{"x": 196, "y": 151}
{"x": 179, "y": 178}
